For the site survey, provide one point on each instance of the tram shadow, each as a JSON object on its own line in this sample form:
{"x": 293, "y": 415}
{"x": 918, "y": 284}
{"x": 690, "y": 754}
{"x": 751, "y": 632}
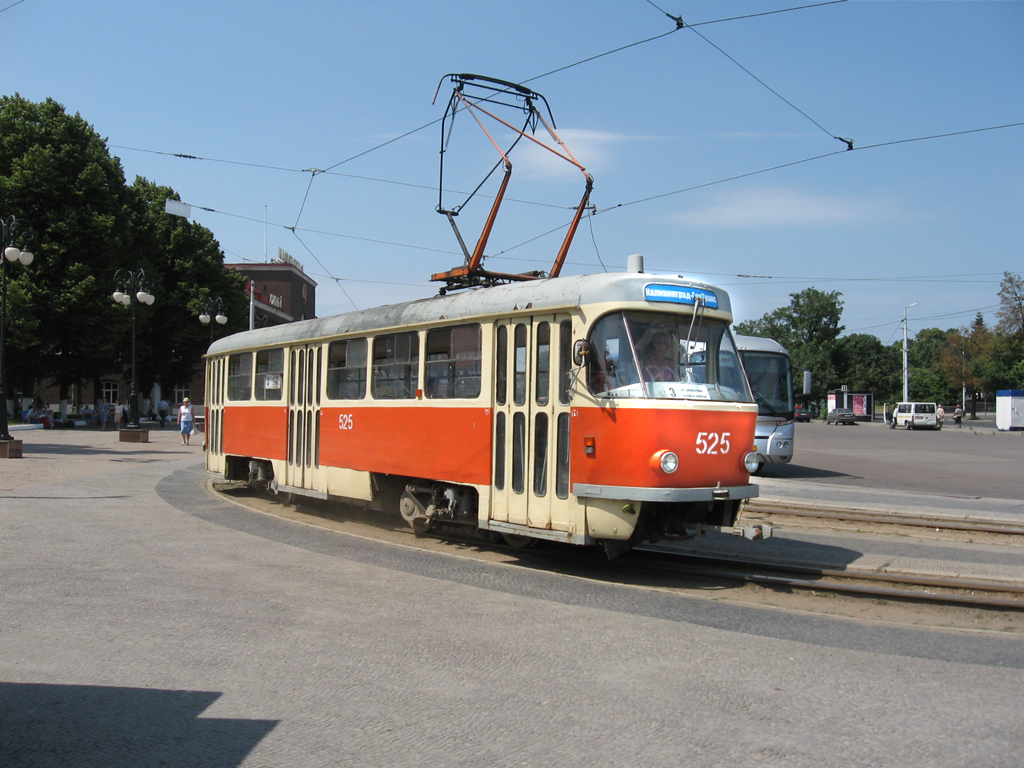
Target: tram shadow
{"x": 798, "y": 472}
{"x": 713, "y": 562}
{"x": 63, "y": 725}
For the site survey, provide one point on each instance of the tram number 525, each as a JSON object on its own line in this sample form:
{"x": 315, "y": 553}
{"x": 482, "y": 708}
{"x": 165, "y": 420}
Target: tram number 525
{"x": 344, "y": 421}
{"x": 712, "y": 442}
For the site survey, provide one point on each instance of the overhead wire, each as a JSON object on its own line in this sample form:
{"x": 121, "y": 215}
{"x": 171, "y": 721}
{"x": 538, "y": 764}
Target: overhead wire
{"x": 680, "y": 24}
{"x": 594, "y": 211}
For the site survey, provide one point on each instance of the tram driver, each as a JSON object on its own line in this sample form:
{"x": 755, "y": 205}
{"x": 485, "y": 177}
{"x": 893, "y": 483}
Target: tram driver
{"x": 659, "y": 357}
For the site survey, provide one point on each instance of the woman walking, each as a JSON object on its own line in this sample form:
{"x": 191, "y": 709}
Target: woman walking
{"x": 185, "y": 420}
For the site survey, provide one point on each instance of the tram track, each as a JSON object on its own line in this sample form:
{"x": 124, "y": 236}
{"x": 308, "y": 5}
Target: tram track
{"x": 783, "y": 514}
{"x": 974, "y": 592}
{"x": 670, "y": 566}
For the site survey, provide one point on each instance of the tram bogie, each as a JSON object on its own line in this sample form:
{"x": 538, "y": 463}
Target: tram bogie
{"x": 529, "y": 410}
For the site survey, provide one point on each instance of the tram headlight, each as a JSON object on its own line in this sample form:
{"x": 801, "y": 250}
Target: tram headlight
{"x": 751, "y": 462}
{"x": 666, "y": 461}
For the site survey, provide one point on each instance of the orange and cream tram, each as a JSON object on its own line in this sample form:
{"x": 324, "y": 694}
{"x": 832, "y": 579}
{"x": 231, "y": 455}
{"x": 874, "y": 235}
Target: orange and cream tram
{"x": 528, "y": 409}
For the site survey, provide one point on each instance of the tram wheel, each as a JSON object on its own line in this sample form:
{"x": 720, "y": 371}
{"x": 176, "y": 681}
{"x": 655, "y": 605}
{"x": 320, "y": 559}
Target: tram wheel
{"x": 516, "y": 541}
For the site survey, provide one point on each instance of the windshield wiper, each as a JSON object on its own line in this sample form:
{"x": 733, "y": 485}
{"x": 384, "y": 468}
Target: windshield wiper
{"x": 760, "y": 399}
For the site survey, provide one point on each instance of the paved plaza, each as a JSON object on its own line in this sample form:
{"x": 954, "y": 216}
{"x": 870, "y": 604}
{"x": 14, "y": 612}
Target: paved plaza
{"x": 145, "y": 621}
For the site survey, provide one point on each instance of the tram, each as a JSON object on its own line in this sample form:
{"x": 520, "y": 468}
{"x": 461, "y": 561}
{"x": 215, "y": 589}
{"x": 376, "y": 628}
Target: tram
{"x": 526, "y": 409}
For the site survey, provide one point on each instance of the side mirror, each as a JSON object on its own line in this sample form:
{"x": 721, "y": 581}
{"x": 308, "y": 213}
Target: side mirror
{"x": 580, "y": 350}
{"x": 807, "y": 382}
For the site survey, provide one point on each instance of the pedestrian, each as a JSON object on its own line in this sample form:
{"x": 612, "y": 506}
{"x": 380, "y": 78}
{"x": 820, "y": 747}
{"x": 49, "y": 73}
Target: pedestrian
{"x": 958, "y": 414}
{"x": 185, "y": 420}
{"x": 163, "y": 409}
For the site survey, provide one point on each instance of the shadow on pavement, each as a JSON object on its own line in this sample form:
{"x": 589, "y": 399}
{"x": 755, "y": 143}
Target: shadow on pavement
{"x": 797, "y": 472}
{"x": 81, "y": 725}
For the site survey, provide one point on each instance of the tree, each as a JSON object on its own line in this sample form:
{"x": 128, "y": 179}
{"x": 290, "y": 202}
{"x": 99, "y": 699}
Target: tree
{"x": 866, "y": 365}
{"x": 965, "y": 358}
{"x": 57, "y": 177}
{"x": 927, "y": 380}
{"x": 1011, "y": 305}
{"x": 808, "y": 329}
{"x": 190, "y": 268}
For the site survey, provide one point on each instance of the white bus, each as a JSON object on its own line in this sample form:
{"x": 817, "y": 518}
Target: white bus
{"x": 769, "y": 373}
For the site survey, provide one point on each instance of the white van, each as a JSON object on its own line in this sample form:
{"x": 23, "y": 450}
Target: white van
{"x": 915, "y": 416}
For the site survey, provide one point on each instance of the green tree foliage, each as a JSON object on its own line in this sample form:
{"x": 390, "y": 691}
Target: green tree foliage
{"x": 941, "y": 363}
{"x": 864, "y": 364}
{"x": 1011, "y": 306}
{"x": 808, "y": 328}
{"x": 189, "y": 268}
{"x": 927, "y": 380}
{"x": 966, "y": 359}
{"x": 58, "y": 177}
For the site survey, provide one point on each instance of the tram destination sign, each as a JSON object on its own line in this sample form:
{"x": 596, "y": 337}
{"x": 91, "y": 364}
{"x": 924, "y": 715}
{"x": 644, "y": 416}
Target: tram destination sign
{"x": 679, "y": 294}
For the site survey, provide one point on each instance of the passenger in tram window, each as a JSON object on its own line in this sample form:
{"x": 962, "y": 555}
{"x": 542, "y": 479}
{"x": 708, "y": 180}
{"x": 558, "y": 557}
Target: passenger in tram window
{"x": 659, "y": 360}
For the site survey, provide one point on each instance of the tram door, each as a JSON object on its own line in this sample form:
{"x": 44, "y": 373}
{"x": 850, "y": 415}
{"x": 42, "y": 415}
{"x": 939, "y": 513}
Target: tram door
{"x": 531, "y": 422}
{"x": 305, "y": 366}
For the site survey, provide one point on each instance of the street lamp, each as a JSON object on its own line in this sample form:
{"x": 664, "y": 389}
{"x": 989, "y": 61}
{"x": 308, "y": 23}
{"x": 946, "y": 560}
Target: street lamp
{"x": 906, "y": 370}
{"x": 11, "y": 253}
{"x": 131, "y": 291}
{"x": 212, "y": 306}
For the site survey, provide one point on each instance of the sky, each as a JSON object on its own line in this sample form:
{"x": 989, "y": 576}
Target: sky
{"x": 716, "y": 147}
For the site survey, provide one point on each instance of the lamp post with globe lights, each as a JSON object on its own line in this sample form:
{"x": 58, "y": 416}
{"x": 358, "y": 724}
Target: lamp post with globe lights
{"x": 132, "y": 290}
{"x": 211, "y": 309}
{"x": 11, "y": 253}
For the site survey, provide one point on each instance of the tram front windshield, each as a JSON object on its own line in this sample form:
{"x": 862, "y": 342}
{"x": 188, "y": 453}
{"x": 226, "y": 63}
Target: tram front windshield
{"x": 665, "y": 356}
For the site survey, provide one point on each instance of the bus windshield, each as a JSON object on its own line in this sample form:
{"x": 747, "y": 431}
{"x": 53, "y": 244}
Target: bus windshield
{"x": 771, "y": 381}
{"x": 665, "y": 356}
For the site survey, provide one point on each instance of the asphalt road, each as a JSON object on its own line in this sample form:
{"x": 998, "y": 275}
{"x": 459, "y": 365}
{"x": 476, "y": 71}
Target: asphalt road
{"x": 973, "y": 461}
{"x": 147, "y": 622}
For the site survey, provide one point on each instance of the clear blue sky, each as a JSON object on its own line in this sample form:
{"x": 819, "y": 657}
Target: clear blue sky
{"x": 265, "y": 90}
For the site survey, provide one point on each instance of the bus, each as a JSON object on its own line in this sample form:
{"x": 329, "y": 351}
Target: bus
{"x": 770, "y": 375}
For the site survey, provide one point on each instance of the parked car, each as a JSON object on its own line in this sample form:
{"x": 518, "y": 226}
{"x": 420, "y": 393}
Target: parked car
{"x": 915, "y": 416}
{"x": 841, "y": 416}
{"x": 802, "y": 414}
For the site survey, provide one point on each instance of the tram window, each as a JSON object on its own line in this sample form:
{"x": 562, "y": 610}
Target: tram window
{"x": 396, "y": 360}
{"x": 519, "y": 382}
{"x": 501, "y": 377}
{"x": 562, "y": 454}
{"x": 295, "y": 377}
{"x": 694, "y": 364}
{"x": 319, "y": 367}
{"x": 499, "y": 453}
{"x": 346, "y": 370}
{"x": 240, "y": 376}
{"x": 565, "y": 361}
{"x": 308, "y": 445}
{"x": 518, "y": 451}
{"x": 269, "y": 374}
{"x": 611, "y": 365}
{"x": 540, "y": 454}
{"x": 453, "y": 362}
{"x": 542, "y": 382}
{"x": 311, "y": 379}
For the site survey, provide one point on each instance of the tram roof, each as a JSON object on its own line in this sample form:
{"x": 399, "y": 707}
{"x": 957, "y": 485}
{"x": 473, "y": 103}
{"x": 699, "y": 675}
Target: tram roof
{"x": 533, "y": 297}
